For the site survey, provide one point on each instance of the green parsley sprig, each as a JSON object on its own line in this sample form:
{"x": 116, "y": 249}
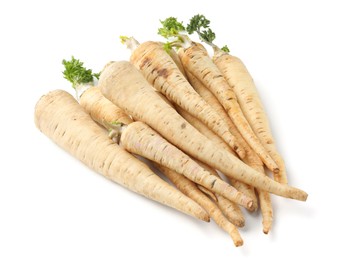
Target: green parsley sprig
{"x": 200, "y": 25}
{"x": 77, "y": 74}
{"x": 175, "y": 32}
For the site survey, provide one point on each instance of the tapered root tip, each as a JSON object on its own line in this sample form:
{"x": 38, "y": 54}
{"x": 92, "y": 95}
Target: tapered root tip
{"x": 203, "y": 216}
{"x": 266, "y": 226}
{"x": 300, "y": 195}
{"x": 250, "y": 205}
{"x": 206, "y": 219}
{"x": 305, "y": 196}
{"x": 253, "y": 208}
{"x": 293, "y": 193}
{"x": 235, "y": 235}
{"x": 200, "y": 213}
{"x": 266, "y": 231}
{"x": 238, "y": 242}
{"x": 276, "y": 170}
{"x": 239, "y": 223}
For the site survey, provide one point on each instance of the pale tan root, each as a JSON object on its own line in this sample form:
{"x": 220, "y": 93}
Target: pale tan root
{"x": 176, "y": 59}
{"x": 196, "y": 60}
{"x": 59, "y": 116}
{"x": 246, "y": 189}
{"x": 250, "y": 159}
{"x": 231, "y": 210}
{"x": 240, "y": 80}
{"x": 125, "y": 86}
{"x": 161, "y": 71}
{"x": 281, "y": 176}
{"x": 240, "y": 186}
{"x": 191, "y": 190}
{"x": 101, "y": 109}
{"x": 208, "y": 192}
{"x": 139, "y": 138}
{"x": 266, "y": 210}
{"x": 164, "y": 98}
{"x": 264, "y": 196}
{"x": 202, "y": 128}
{"x": 265, "y": 205}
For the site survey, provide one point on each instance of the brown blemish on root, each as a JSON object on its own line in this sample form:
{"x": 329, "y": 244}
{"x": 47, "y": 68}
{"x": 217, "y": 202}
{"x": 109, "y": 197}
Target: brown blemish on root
{"x": 212, "y": 185}
{"x": 144, "y": 62}
{"x": 183, "y": 125}
{"x": 163, "y": 73}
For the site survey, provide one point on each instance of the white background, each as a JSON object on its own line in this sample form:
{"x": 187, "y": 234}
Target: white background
{"x": 53, "y": 207}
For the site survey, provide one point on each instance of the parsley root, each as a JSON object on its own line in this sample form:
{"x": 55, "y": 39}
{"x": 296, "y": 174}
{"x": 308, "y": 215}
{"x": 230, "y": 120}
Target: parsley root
{"x": 59, "y": 116}
{"x": 125, "y": 86}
